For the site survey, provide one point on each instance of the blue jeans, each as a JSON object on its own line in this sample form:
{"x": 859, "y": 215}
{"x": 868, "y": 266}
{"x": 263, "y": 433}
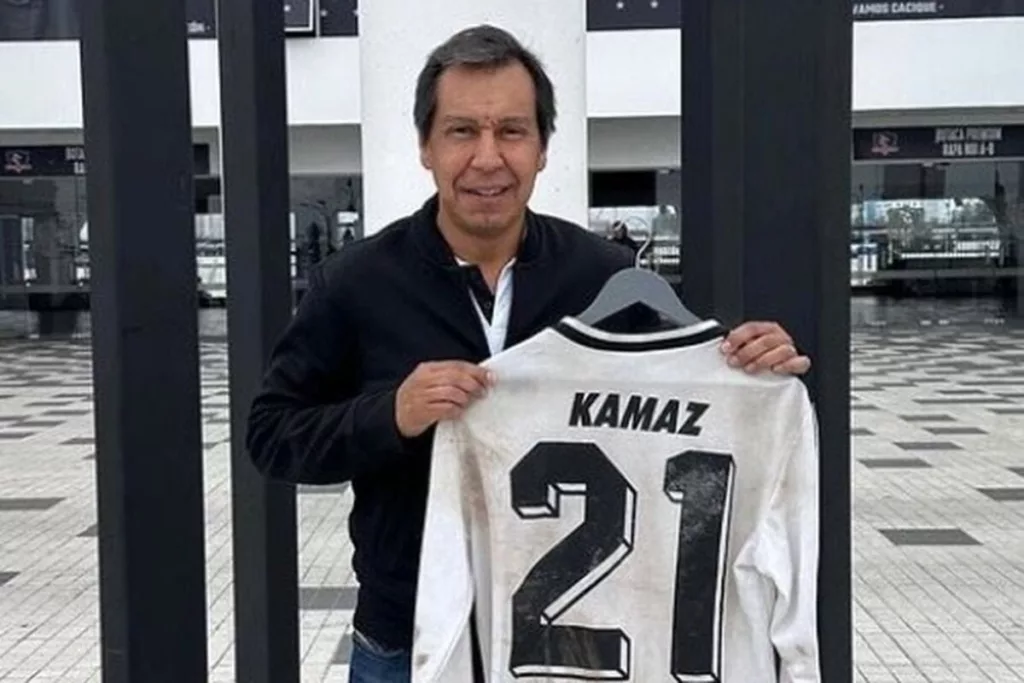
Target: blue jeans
{"x": 371, "y": 662}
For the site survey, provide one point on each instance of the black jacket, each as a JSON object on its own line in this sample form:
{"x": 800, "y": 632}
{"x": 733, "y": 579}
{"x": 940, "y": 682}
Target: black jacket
{"x": 373, "y": 312}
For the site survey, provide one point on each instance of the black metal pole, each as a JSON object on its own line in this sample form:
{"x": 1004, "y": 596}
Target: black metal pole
{"x": 766, "y": 137}
{"x": 254, "y": 144}
{"x": 712, "y": 204}
{"x": 138, "y": 140}
{"x": 797, "y": 255}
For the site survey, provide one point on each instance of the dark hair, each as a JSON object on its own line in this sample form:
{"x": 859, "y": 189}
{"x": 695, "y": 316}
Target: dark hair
{"x": 482, "y": 47}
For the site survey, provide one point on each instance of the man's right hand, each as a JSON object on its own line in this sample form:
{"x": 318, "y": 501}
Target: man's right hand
{"x": 438, "y": 391}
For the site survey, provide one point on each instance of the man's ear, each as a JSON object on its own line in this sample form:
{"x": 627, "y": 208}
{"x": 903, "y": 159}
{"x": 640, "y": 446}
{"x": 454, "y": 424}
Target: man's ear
{"x": 425, "y": 159}
{"x": 543, "y": 161}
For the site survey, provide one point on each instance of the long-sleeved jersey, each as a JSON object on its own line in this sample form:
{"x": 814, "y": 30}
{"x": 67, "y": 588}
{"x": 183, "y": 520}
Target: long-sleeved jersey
{"x": 622, "y": 508}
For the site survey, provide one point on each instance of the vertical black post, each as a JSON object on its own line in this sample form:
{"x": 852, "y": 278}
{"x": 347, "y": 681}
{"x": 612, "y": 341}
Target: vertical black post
{"x": 797, "y": 254}
{"x": 712, "y": 202}
{"x": 138, "y": 140}
{"x": 793, "y": 175}
{"x": 256, "y": 197}
{"x": 831, "y": 381}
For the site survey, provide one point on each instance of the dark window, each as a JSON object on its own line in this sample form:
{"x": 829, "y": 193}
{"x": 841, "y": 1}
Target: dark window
{"x": 338, "y": 18}
{"x": 623, "y": 188}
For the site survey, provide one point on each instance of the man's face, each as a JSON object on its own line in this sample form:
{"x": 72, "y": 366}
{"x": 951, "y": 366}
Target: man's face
{"x": 484, "y": 149}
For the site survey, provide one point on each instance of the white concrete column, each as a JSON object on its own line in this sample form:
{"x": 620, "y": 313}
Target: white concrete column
{"x": 395, "y": 38}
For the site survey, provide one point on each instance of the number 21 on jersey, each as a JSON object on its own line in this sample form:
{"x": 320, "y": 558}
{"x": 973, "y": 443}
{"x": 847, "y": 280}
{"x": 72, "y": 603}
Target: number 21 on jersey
{"x": 699, "y": 482}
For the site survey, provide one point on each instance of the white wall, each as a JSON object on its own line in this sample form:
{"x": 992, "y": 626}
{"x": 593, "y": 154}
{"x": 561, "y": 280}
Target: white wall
{"x": 323, "y": 83}
{"x": 938, "y": 64}
{"x": 623, "y": 144}
{"x": 325, "y": 150}
{"x": 47, "y": 95}
{"x": 634, "y": 73}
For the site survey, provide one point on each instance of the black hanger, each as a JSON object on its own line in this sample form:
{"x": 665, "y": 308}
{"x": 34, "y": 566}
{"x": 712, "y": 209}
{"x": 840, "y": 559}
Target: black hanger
{"x": 637, "y": 286}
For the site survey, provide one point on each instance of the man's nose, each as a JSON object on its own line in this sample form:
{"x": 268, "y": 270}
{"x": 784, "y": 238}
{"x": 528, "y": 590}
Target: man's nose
{"x": 488, "y": 153}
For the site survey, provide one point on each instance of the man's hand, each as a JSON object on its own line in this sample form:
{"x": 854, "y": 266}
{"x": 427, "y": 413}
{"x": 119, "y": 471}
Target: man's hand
{"x": 758, "y": 346}
{"x": 438, "y": 391}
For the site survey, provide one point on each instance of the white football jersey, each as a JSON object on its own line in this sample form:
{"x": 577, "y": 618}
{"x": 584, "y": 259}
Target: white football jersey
{"x": 623, "y": 508}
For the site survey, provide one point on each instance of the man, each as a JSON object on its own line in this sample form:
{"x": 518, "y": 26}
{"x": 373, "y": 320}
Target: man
{"x": 620, "y": 235}
{"x": 388, "y": 338}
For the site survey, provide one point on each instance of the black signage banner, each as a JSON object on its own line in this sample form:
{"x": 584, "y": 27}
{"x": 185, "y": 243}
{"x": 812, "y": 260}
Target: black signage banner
{"x": 68, "y": 160}
{"x": 624, "y": 15}
{"x": 202, "y": 18}
{"x": 620, "y": 15}
{"x": 936, "y": 9}
{"x": 58, "y": 19}
{"x": 940, "y": 142}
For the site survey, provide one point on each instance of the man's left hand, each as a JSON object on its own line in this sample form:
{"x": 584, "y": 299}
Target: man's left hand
{"x": 759, "y": 346}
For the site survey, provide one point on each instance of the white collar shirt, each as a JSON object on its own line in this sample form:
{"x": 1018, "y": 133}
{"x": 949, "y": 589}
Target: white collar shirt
{"x": 495, "y": 326}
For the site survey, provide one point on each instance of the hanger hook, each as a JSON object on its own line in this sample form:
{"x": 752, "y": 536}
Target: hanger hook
{"x": 648, "y": 240}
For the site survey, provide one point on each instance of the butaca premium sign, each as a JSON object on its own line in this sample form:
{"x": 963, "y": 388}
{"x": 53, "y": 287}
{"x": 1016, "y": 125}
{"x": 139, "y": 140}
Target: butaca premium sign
{"x": 54, "y": 160}
{"x": 68, "y": 160}
{"x": 941, "y": 142}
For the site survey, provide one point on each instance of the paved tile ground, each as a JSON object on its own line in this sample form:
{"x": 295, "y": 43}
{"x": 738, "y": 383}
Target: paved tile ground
{"x": 938, "y": 417}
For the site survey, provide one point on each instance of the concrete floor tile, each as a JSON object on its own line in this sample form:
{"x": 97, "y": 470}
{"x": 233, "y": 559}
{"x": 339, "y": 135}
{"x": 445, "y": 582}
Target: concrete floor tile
{"x": 937, "y": 529}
